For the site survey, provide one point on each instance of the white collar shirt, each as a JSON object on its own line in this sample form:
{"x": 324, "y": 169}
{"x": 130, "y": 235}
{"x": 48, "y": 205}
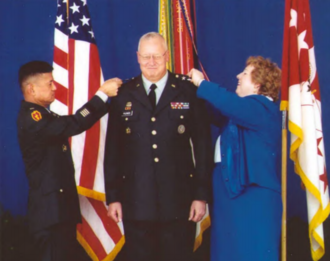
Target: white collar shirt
{"x": 160, "y": 85}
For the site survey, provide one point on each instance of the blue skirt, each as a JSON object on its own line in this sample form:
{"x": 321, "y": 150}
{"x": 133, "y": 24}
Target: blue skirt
{"x": 245, "y": 228}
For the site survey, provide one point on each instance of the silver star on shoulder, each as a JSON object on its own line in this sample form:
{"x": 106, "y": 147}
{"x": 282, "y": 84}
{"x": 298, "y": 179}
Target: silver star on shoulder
{"x": 73, "y": 28}
{"x": 85, "y": 20}
{"x": 75, "y": 8}
{"x": 59, "y": 20}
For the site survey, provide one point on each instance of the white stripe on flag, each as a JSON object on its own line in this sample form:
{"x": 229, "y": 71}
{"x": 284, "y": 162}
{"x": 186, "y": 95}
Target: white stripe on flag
{"x": 59, "y": 108}
{"x": 94, "y": 221}
{"x": 81, "y": 74}
{"x": 61, "y": 41}
{"x": 60, "y": 75}
{"x": 99, "y": 175}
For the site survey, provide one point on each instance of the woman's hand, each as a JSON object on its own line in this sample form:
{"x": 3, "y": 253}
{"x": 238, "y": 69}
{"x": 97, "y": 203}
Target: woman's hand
{"x": 196, "y": 77}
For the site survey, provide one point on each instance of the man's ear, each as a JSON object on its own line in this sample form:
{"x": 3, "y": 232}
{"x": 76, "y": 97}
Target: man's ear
{"x": 167, "y": 56}
{"x": 29, "y": 89}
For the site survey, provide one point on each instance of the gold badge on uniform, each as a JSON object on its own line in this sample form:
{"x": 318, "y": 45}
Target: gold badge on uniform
{"x": 36, "y": 115}
{"x": 128, "y": 106}
{"x": 173, "y": 85}
{"x": 181, "y": 129}
{"x": 64, "y": 148}
{"x": 128, "y": 130}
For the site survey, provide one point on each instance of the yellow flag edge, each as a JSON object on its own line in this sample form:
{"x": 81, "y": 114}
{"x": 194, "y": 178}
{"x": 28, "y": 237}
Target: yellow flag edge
{"x": 322, "y": 213}
{"x": 91, "y": 193}
{"x": 204, "y": 225}
{"x": 284, "y": 106}
{"x": 92, "y": 254}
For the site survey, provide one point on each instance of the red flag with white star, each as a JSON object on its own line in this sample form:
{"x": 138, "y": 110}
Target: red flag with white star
{"x": 301, "y": 97}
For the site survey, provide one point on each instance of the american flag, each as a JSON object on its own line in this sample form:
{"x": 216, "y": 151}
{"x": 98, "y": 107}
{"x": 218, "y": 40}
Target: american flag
{"x": 78, "y": 75}
{"x": 301, "y": 97}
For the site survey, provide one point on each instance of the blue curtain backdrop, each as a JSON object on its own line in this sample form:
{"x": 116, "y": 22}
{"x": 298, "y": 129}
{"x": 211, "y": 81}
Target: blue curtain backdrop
{"x": 228, "y": 31}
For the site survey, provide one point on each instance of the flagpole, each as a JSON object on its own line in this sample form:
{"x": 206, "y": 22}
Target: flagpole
{"x": 284, "y": 186}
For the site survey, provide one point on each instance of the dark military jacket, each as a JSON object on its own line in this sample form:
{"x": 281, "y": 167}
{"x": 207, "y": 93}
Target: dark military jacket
{"x": 43, "y": 139}
{"x": 149, "y": 165}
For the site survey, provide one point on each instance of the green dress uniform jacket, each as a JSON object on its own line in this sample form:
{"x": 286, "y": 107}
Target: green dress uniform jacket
{"x": 149, "y": 166}
{"x": 43, "y": 139}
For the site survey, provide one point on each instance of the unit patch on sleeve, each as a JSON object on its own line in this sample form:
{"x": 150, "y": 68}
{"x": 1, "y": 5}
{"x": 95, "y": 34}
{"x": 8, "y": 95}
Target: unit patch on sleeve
{"x": 36, "y": 115}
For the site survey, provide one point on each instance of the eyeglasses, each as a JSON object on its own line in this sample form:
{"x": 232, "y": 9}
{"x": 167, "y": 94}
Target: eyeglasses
{"x": 156, "y": 57}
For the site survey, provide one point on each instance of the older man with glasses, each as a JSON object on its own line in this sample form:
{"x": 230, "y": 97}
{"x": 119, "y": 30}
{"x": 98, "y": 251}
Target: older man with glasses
{"x": 157, "y": 159}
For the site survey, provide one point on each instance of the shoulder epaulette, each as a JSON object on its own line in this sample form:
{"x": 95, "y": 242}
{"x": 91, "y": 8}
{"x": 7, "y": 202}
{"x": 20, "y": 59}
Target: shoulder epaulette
{"x": 182, "y": 77}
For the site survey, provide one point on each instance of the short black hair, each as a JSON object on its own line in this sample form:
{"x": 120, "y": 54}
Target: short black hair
{"x": 32, "y": 68}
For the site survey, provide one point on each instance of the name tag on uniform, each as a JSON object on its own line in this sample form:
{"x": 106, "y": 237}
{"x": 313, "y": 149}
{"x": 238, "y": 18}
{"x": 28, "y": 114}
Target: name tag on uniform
{"x": 127, "y": 113}
{"x": 180, "y": 105}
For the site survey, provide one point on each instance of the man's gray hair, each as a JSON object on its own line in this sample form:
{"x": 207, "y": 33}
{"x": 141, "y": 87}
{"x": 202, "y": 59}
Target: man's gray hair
{"x": 151, "y": 35}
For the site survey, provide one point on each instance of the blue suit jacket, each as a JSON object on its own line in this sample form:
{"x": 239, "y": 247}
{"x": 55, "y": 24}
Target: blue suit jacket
{"x": 250, "y": 138}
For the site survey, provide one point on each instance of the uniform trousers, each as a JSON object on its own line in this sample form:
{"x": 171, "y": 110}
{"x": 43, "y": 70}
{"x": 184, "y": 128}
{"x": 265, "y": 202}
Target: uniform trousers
{"x": 59, "y": 243}
{"x": 158, "y": 241}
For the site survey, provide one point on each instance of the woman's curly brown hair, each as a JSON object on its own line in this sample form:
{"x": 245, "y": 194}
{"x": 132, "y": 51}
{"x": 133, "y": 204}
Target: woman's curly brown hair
{"x": 267, "y": 74}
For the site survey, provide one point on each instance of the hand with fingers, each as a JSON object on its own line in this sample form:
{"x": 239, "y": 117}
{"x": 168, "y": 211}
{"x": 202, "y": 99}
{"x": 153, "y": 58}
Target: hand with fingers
{"x": 115, "y": 211}
{"x": 197, "y": 210}
{"x": 196, "y": 77}
{"x": 110, "y": 87}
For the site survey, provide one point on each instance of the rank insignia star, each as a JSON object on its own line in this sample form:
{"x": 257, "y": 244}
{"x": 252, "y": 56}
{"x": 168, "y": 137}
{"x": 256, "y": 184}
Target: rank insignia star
{"x": 36, "y": 115}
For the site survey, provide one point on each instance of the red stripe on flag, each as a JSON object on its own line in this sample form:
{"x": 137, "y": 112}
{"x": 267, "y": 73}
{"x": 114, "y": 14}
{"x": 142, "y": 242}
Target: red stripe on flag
{"x": 94, "y": 71}
{"x": 71, "y": 74}
{"x": 110, "y": 226}
{"x": 60, "y": 58}
{"x": 61, "y": 93}
{"x": 91, "y": 149}
{"x": 92, "y": 240}
{"x": 89, "y": 163}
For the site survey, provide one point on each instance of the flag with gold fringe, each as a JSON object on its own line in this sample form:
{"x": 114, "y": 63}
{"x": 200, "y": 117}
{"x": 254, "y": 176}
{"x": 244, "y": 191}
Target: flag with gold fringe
{"x": 78, "y": 75}
{"x": 302, "y": 99}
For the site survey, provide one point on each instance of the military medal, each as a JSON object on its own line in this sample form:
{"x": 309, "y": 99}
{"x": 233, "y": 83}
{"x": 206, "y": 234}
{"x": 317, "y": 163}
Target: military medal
{"x": 64, "y": 148}
{"x": 128, "y": 130}
{"x": 128, "y": 106}
{"x": 181, "y": 129}
{"x": 180, "y": 105}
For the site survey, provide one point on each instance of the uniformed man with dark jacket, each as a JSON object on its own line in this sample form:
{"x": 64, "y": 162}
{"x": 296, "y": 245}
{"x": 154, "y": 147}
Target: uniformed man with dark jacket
{"x": 53, "y": 207}
{"x": 157, "y": 159}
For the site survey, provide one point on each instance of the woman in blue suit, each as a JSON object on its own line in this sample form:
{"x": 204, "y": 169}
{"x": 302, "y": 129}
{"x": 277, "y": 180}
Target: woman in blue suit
{"x": 247, "y": 207}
